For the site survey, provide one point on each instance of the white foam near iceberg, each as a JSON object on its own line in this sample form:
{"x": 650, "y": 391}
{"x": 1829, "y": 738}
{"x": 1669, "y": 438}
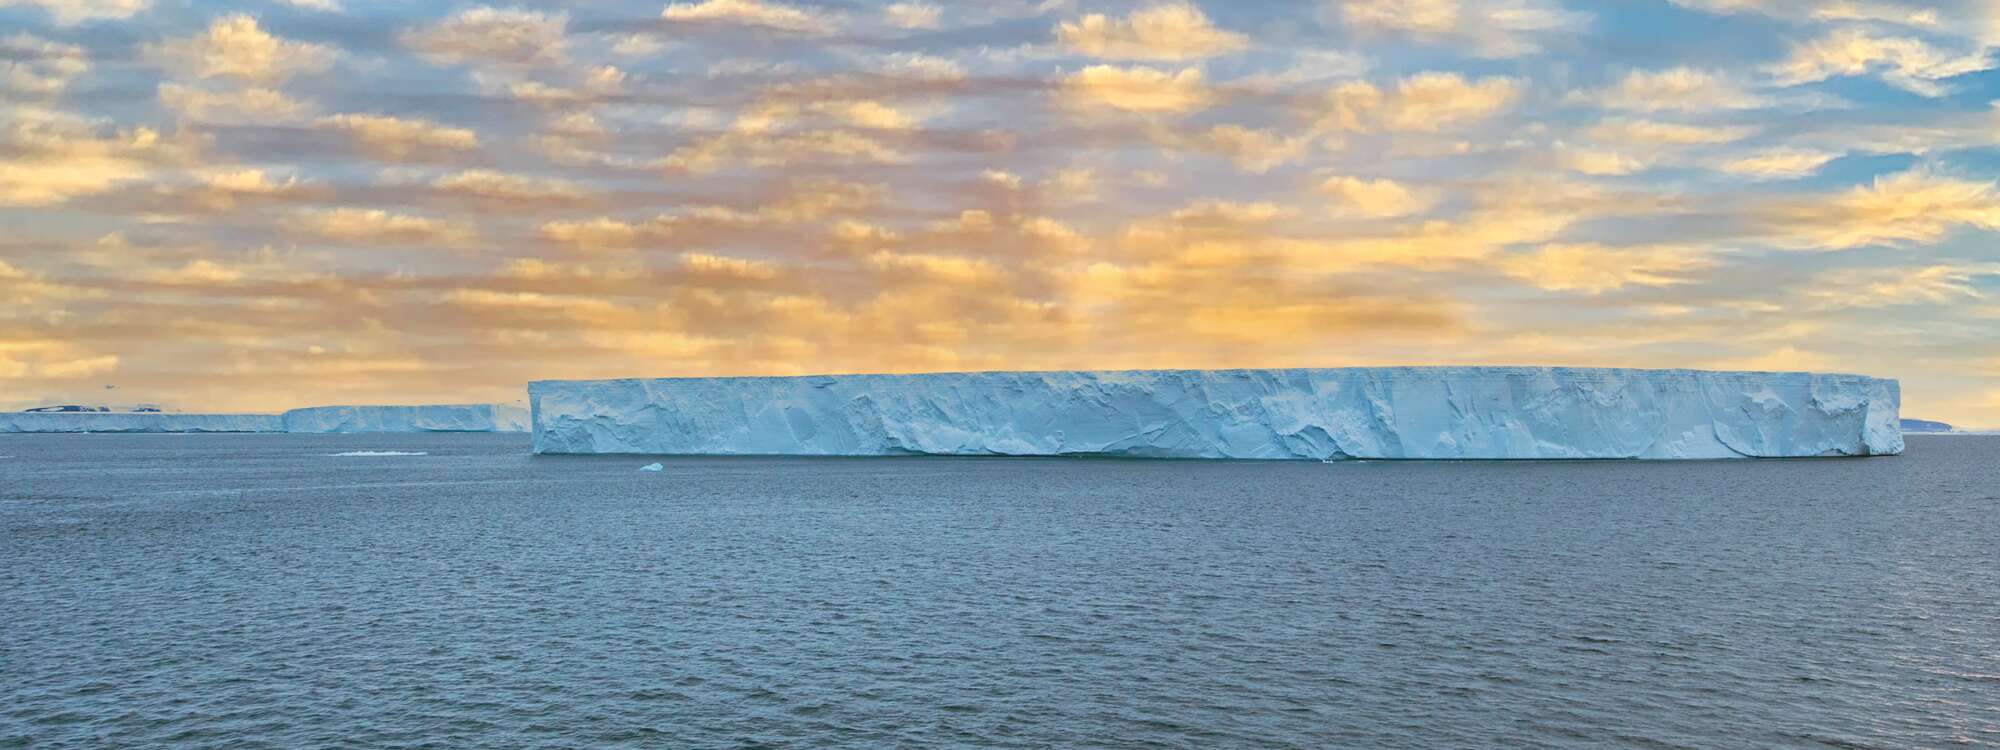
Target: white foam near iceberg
{"x": 1324, "y": 414}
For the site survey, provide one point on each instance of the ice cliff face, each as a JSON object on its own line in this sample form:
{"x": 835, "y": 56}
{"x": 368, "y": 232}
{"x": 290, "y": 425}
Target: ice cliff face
{"x": 136, "y": 422}
{"x": 445, "y": 418}
{"x": 1391, "y": 413}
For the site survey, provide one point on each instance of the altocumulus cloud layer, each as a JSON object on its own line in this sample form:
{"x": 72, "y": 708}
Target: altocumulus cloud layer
{"x": 252, "y": 206}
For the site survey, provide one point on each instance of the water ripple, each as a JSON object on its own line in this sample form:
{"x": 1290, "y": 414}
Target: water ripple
{"x": 244, "y": 591}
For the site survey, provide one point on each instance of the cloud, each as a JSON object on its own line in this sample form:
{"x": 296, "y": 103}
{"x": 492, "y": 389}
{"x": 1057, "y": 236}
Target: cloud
{"x": 1251, "y": 150}
{"x": 492, "y": 35}
{"x": 1425, "y": 102}
{"x": 1677, "y": 89}
{"x": 803, "y": 200}
{"x": 1486, "y": 28}
{"x": 1654, "y": 133}
{"x": 1602, "y": 162}
{"x": 811, "y": 199}
{"x": 868, "y": 114}
{"x": 943, "y": 268}
{"x": 1142, "y": 90}
{"x": 1035, "y": 184}
{"x": 1596, "y": 269}
{"x": 596, "y": 235}
{"x": 34, "y": 67}
{"x": 1376, "y": 198}
{"x": 80, "y": 368}
{"x": 377, "y": 227}
{"x": 1306, "y": 66}
{"x": 1915, "y": 206}
{"x": 912, "y": 15}
{"x": 1784, "y": 163}
{"x": 1503, "y": 214}
{"x": 721, "y": 265}
{"x": 234, "y": 46}
{"x": 1621, "y": 146}
{"x": 1892, "y": 11}
{"x": 486, "y": 183}
{"x": 1897, "y": 12}
{"x": 1904, "y": 62}
{"x": 223, "y": 188}
{"x": 73, "y": 12}
{"x": 51, "y": 160}
{"x": 201, "y": 271}
{"x": 29, "y": 293}
{"x": 1944, "y": 284}
{"x": 748, "y": 13}
{"x": 1167, "y": 32}
{"x": 243, "y": 106}
{"x": 589, "y": 85}
{"x": 397, "y": 137}
{"x": 759, "y": 149}
{"x": 1729, "y": 6}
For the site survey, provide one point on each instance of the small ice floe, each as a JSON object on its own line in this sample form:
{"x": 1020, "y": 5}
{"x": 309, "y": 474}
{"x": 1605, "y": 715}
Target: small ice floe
{"x": 381, "y": 453}
{"x": 655, "y": 466}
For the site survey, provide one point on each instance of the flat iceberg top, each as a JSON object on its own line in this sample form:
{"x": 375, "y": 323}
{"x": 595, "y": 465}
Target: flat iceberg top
{"x": 1368, "y": 412}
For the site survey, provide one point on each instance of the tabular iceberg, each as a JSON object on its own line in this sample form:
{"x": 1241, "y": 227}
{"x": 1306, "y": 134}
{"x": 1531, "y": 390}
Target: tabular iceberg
{"x": 137, "y": 422}
{"x": 1325, "y": 414}
{"x": 436, "y": 418}
{"x": 349, "y": 419}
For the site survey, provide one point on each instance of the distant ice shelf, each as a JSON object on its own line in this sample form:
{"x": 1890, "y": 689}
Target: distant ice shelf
{"x": 1320, "y": 414}
{"x": 439, "y": 418}
{"x": 321, "y": 419}
{"x": 124, "y": 421}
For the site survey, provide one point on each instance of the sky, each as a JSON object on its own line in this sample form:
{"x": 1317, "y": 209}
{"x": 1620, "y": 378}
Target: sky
{"x": 257, "y": 206}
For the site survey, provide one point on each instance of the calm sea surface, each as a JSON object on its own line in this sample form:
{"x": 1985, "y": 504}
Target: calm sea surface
{"x": 257, "y": 591}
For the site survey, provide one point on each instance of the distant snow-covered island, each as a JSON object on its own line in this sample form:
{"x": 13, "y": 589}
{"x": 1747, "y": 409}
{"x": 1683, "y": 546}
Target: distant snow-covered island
{"x": 1318, "y": 414}
{"x": 319, "y": 419}
{"x": 1925, "y": 425}
{"x": 1928, "y": 427}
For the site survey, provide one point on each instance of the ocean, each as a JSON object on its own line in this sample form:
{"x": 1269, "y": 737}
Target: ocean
{"x": 247, "y": 591}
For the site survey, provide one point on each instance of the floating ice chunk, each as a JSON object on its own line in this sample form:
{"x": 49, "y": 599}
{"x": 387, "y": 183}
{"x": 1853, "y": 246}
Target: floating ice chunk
{"x": 655, "y": 466}
{"x": 382, "y": 453}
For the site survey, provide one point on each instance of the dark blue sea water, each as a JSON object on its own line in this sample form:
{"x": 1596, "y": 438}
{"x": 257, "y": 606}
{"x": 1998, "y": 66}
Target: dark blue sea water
{"x": 255, "y": 591}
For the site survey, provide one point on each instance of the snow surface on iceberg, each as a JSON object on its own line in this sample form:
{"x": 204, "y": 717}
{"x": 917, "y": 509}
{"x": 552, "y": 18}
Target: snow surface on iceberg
{"x": 137, "y": 422}
{"x": 1389, "y": 413}
{"x": 435, "y": 418}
